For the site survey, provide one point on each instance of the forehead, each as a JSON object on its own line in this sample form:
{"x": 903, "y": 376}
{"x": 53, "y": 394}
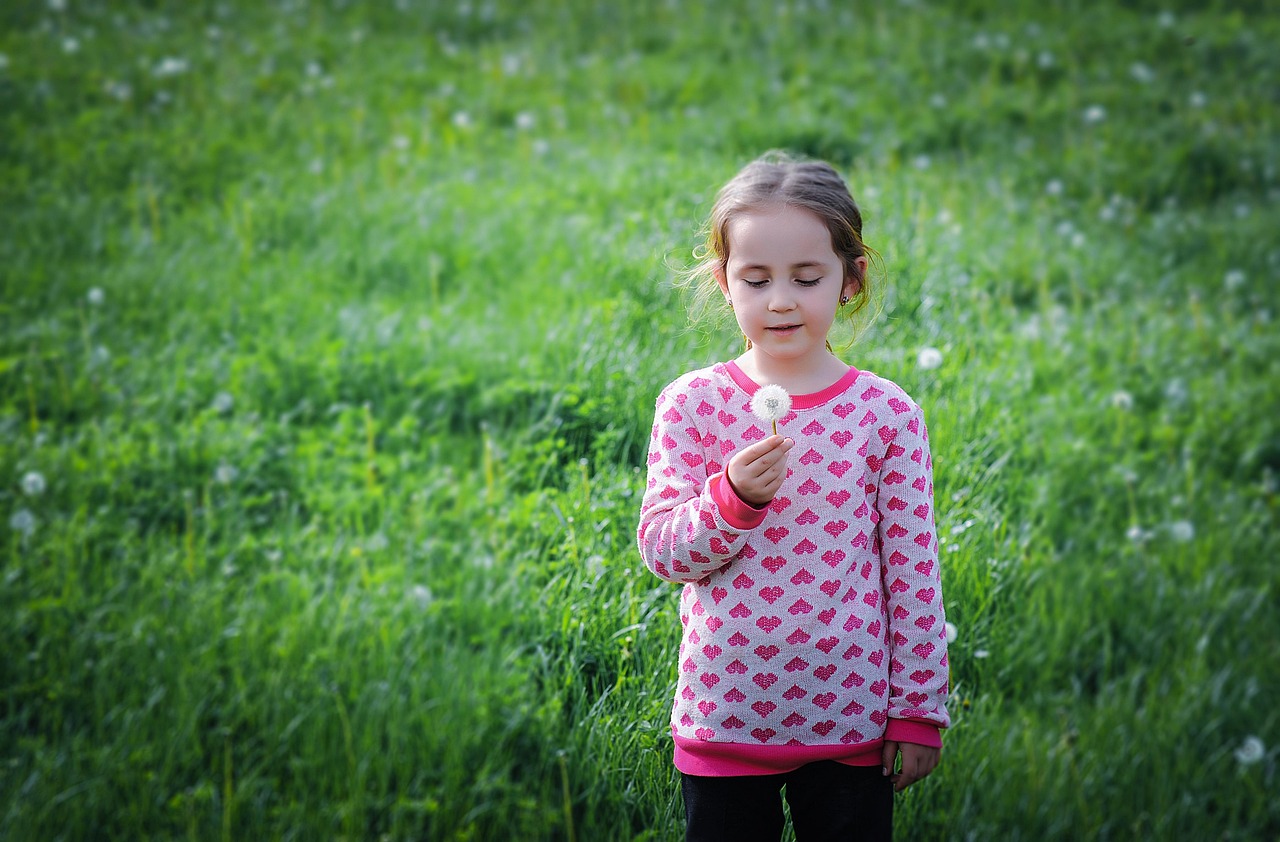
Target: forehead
{"x": 779, "y": 236}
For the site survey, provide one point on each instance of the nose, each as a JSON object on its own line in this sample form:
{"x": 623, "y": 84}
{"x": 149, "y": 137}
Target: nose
{"x": 781, "y": 300}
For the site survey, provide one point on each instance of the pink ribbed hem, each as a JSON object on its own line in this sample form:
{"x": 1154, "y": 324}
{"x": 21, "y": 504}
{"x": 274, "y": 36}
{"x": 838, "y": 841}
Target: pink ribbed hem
{"x": 719, "y": 760}
{"x": 797, "y": 401}
{"x": 738, "y": 512}
{"x": 913, "y": 731}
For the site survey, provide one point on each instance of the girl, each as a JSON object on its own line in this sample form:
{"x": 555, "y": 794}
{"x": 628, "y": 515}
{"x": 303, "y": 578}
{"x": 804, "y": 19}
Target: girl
{"x": 814, "y": 647}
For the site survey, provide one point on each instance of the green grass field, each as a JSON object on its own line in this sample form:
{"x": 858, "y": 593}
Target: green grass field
{"x": 329, "y": 339}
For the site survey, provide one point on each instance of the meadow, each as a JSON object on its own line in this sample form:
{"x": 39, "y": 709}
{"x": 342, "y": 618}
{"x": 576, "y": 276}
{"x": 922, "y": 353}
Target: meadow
{"x": 329, "y": 339}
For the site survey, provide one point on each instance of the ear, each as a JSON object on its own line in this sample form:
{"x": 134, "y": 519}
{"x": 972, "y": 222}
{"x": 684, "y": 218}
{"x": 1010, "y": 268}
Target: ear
{"x": 853, "y": 282}
{"x": 721, "y": 279}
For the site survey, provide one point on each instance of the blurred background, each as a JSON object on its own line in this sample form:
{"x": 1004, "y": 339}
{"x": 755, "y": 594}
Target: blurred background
{"x": 329, "y": 339}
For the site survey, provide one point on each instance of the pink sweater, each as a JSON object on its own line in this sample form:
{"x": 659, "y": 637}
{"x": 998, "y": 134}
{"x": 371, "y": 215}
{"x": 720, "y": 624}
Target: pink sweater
{"x": 813, "y": 628}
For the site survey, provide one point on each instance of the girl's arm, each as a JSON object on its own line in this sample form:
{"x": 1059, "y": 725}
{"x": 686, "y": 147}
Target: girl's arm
{"x": 691, "y": 520}
{"x": 913, "y": 588}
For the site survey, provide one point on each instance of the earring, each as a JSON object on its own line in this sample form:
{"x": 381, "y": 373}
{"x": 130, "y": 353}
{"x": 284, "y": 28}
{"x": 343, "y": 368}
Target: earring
{"x": 844, "y": 299}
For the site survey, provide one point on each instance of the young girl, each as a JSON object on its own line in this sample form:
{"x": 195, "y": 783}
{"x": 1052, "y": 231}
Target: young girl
{"x": 814, "y": 645}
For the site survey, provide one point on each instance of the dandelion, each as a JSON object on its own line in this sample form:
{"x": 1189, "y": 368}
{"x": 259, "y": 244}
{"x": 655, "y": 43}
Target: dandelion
{"x": 1136, "y": 534}
{"x": 4, "y": 61}
{"x": 770, "y": 404}
{"x": 96, "y": 296}
{"x": 1197, "y": 99}
{"x": 525, "y": 121}
{"x": 421, "y": 594}
{"x": 57, "y": 5}
{"x": 1045, "y": 59}
{"x": 33, "y": 484}
{"x": 1054, "y": 187}
{"x": 981, "y": 653}
{"x": 22, "y": 522}
{"x": 170, "y": 66}
{"x": 1122, "y": 400}
{"x": 400, "y": 142}
{"x": 1182, "y": 531}
{"x": 462, "y": 120}
{"x": 1095, "y": 114}
{"x": 921, "y": 162}
{"x": 225, "y": 474}
{"x": 377, "y": 542}
{"x": 929, "y": 358}
{"x": 952, "y": 634}
{"x": 70, "y": 45}
{"x": 1250, "y": 751}
{"x": 938, "y": 101}
{"x": 314, "y": 70}
{"x": 223, "y": 402}
{"x": 120, "y": 91}
{"x": 1166, "y": 20}
{"x": 1141, "y": 72}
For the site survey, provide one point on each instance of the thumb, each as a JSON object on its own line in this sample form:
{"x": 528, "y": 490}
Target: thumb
{"x": 888, "y": 757}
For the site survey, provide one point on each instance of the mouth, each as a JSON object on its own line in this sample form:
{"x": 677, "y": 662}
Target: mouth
{"x": 782, "y": 328}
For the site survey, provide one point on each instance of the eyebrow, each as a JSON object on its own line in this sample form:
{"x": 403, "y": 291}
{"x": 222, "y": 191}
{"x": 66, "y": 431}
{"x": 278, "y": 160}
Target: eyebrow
{"x": 760, "y": 267}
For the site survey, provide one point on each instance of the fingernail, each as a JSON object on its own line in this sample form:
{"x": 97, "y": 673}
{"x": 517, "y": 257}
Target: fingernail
{"x": 884, "y": 770}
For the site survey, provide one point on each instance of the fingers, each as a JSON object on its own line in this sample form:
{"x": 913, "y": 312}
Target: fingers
{"x": 756, "y": 472}
{"x": 917, "y": 762}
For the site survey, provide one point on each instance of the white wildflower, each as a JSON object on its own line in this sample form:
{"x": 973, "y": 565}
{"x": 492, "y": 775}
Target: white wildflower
{"x": 1045, "y": 59}
{"x": 96, "y": 296}
{"x": 929, "y": 358}
{"x": 377, "y": 542}
{"x": 1182, "y": 531}
{"x": 921, "y": 162}
{"x": 33, "y": 484}
{"x": 314, "y": 69}
{"x": 1166, "y": 20}
{"x": 23, "y": 522}
{"x": 1141, "y": 72}
{"x": 1121, "y": 399}
{"x": 525, "y": 121}
{"x": 225, "y": 474}
{"x": 70, "y": 45}
{"x": 981, "y": 653}
{"x": 421, "y": 594}
{"x": 1095, "y": 114}
{"x": 771, "y": 403}
{"x": 1250, "y": 751}
{"x": 1197, "y": 99}
{"x": 119, "y": 91}
{"x": 462, "y": 120}
{"x": 400, "y": 142}
{"x": 170, "y": 66}
{"x": 938, "y": 101}
{"x": 1054, "y": 187}
{"x": 223, "y": 402}
{"x": 1136, "y": 534}
{"x": 952, "y": 633}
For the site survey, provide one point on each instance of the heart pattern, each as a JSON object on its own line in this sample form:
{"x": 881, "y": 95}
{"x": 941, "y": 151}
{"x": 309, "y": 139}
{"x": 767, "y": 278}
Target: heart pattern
{"x": 779, "y": 649}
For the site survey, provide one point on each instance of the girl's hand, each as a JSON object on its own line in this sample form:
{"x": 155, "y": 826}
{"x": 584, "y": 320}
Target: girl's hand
{"x": 756, "y": 472}
{"x": 917, "y": 762}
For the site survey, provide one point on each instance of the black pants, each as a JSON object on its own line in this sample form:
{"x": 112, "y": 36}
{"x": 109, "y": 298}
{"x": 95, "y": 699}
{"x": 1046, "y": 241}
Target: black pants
{"x": 828, "y": 800}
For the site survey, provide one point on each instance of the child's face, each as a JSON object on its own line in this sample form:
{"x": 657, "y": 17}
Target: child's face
{"x": 784, "y": 281}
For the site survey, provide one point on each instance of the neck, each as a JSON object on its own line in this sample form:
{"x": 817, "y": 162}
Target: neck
{"x": 801, "y": 376}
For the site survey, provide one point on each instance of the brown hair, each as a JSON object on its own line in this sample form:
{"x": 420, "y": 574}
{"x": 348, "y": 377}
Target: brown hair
{"x": 774, "y": 178}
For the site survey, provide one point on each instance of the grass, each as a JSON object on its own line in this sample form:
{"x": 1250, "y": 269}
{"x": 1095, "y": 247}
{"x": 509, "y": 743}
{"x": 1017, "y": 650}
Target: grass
{"x": 332, "y": 332}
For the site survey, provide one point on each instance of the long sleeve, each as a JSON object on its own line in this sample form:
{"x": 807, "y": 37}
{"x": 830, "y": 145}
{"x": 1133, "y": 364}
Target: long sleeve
{"x": 912, "y": 582}
{"x": 691, "y": 522}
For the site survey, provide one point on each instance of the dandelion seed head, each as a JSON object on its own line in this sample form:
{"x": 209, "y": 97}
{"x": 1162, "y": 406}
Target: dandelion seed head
{"x": 33, "y": 484}
{"x": 421, "y": 594}
{"x": 225, "y": 474}
{"x": 952, "y": 633}
{"x": 1182, "y": 531}
{"x": 1197, "y": 99}
{"x": 57, "y": 5}
{"x": 400, "y": 142}
{"x": 1054, "y": 187}
{"x": 1121, "y": 399}
{"x": 1141, "y": 72}
{"x": 921, "y": 162}
{"x": 1044, "y": 59}
{"x": 525, "y": 121}
{"x": 23, "y": 522}
{"x": 938, "y": 101}
{"x": 1250, "y": 751}
{"x": 462, "y": 119}
{"x": 1136, "y": 534}
{"x": 771, "y": 403}
{"x": 1095, "y": 114}
{"x": 170, "y": 66}
{"x": 929, "y": 358}
{"x": 4, "y": 61}
{"x": 981, "y": 653}
{"x": 70, "y": 45}
{"x": 223, "y": 402}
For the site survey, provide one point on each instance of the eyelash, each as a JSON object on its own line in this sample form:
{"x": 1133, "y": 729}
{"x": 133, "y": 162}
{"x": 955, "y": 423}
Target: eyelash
{"x": 803, "y": 283}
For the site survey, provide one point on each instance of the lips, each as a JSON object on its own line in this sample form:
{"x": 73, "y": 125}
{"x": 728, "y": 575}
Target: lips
{"x": 782, "y": 328}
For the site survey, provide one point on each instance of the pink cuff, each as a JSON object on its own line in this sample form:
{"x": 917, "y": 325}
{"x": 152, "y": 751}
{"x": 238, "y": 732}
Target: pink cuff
{"x": 739, "y": 513}
{"x": 913, "y": 731}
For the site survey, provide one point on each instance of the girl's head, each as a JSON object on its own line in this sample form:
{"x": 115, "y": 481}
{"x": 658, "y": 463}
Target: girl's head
{"x": 778, "y": 180}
